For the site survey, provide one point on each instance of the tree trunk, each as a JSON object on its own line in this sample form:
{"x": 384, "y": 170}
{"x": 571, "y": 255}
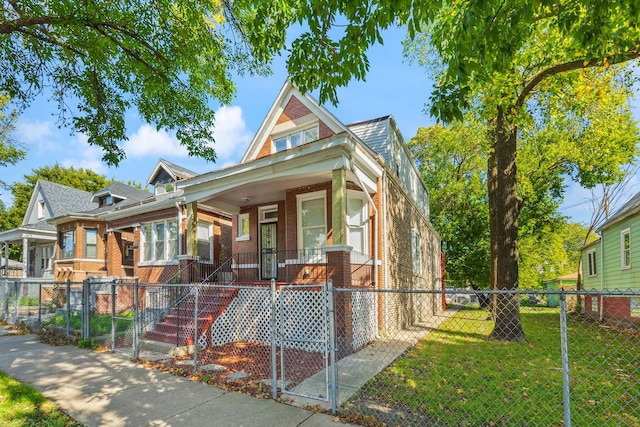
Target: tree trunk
{"x": 504, "y": 209}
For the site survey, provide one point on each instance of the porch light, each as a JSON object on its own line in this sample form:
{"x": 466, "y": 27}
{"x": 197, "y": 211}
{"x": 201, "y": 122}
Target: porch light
{"x": 246, "y": 199}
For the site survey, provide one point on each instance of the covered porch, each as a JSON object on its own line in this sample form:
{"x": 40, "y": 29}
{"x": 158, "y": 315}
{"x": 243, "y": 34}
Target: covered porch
{"x": 38, "y": 248}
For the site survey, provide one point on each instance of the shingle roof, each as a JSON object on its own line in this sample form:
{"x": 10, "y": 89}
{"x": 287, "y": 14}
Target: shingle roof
{"x": 631, "y": 205}
{"x": 62, "y": 199}
{"x": 128, "y": 193}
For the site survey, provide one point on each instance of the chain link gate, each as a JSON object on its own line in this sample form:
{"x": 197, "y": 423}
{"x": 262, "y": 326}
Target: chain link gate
{"x": 303, "y": 329}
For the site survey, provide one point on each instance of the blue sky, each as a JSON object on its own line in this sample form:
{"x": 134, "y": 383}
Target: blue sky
{"x": 393, "y": 86}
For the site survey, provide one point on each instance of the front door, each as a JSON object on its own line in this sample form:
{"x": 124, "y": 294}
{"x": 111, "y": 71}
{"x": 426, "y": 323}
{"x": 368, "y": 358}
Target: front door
{"x": 268, "y": 250}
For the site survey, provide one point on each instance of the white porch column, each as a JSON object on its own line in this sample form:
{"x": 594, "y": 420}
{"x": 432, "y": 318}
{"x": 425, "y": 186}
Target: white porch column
{"x": 25, "y": 257}
{"x": 6, "y": 259}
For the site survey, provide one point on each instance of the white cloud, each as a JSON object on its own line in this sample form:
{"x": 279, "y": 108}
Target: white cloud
{"x": 40, "y": 134}
{"x": 147, "y": 141}
{"x": 85, "y": 156}
{"x": 230, "y": 134}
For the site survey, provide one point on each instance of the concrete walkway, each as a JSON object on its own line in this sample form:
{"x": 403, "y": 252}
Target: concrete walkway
{"x": 107, "y": 389}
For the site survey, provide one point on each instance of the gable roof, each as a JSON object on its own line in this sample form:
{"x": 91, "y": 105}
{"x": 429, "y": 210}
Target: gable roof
{"x": 176, "y": 172}
{"x": 287, "y": 92}
{"x": 59, "y": 199}
{"x": 631, "y": 207}
{"x": 121, "y": 191}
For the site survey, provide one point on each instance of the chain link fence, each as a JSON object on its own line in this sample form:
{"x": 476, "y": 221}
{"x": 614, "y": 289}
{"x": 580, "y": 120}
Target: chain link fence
{"x": 393, "y": 357}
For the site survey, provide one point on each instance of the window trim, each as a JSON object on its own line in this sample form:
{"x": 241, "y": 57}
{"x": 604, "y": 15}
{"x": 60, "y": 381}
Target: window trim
{"x": 240, "y": 236}
{"x": 416, "y": 249}
{"x": 63, "y": 244}
{"x": 209, "y": 226}
{"x": 86, "y": 244}
{"x": 152, "y": 245}
{"x": 592, "y": 263}
{"x": 351, "y": 195}
{"x": 625, "y": 252}
{"x": 301, "y": 132}
{"x": 305, "y": 197}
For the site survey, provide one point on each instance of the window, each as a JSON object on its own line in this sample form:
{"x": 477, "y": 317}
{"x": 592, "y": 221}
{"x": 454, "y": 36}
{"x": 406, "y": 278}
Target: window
{"x": 634, "y": 308}
{"x": 159, "y": 241}
{"x": 90, "y": 243}
{"x": 243, "y": 227}
{"x": 594, "y": 304}
{"x": 41, "y": 209}
{"x": 591, "y": 261}
{"x": 204, "y": 240}
{"x": 625, "y": 248}
{"x": 67, "y": 240}
{"x": 312, "y": 220}
{"x": 416, "y": 252}
{"x": 357, "y": 222}
{"x": 128, "y": 251}
{"x": 105, "y": 201}
{"x": 284, "y": 142}
{"x": 47, "y": 255}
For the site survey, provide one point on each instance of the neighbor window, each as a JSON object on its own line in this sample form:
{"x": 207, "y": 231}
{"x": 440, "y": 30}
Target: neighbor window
{"x": 312, "y": 220}
{"x": 625, "y": 248}
{"x": 243, "y": 227}
{"x": 159, "y": 241}
{"x": 357, "y": 222}
{"x": 591, "y": 261}
{"x": 594, "y": 304}
{"x": 41, "y": 209}
{"x": 416, "y": 252}
{"x": 67, "y": 240}
{"x": 90, "y": 243}
{"x": 284, "y": 142}
{"x": 634, "y": 310}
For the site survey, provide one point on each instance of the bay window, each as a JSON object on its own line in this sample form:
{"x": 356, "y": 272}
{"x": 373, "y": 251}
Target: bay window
{"x": 158, "y": 241}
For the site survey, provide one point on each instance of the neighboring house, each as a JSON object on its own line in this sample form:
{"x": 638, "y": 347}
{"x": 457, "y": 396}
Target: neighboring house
{"x": 13, "y": 269}
{"x": 36, "y": 235}
{"x": 613, "y": 263}
{"x": 568, "y": 281}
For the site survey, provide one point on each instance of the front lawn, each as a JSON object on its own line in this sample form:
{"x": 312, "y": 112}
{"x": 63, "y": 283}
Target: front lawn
{"x": 23, "y": 406}
{"x": 457, "y": 377}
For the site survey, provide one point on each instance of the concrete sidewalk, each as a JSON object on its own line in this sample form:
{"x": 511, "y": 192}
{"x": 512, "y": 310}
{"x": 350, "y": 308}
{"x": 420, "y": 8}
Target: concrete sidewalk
{"x": 107, "y": 389}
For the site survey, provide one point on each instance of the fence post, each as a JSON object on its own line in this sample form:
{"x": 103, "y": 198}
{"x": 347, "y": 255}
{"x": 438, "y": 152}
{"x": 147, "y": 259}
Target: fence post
{"x": 566, "y": 390}
{"x": 86, "y": 308}
{"x": 16, "y": 286}
{"x": 68, "y": 308}
{"x": 113, "y": 318}
{"x": 332, "y": 348}
{"x": 274, "y": 343}
{"x": 39, "y": 305}
{"x": 195, "y": 331}
{"x": 136, "y": 320}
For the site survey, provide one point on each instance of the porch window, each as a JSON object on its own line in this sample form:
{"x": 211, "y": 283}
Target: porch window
{"x": 312, "y": 220}
{"x": 90, "y": 243}
{"x": 416, "y": 252}
{"x": 159, "y": 241}
{"x": 591, "y": 261}
{"x": 284, "y": 142}
{"x": 67, "y": 240}
{"x": 243, "y": 227}
{"x": 204, "y": 240}
{"x": 47, "y": 255}
{"x": 625, "y": 248}
{"x": 357, "y": 222}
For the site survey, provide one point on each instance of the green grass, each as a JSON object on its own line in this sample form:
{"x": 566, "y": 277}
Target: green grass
{"x": 455, "y": 376}
{"x": 99, "y": 324}
{"x": 23, "y": 406}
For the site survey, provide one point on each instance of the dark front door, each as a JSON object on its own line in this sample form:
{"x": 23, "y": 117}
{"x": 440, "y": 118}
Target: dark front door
{"x": 269, "y": 250}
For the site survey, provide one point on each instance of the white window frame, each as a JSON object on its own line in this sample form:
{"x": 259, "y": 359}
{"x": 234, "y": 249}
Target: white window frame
{"x": 301, "y": 133}
{"x": 300, "y": 199}
{"x": 41, "y": 209}
{"x": 153, "y": 257}
{"x": 357, "y": 195}
{"x": 241, "y": 236}
{"x": 416, "y": 252}
{"x": 625, "y": 251}
{"x": 63, "y": 244}
{"x": 209, "y": 227}
{"x": 592, "y": 265}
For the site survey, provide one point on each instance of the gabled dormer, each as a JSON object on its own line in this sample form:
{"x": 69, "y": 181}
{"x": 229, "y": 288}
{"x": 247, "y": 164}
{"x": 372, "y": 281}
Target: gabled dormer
{"x": 294, "y": 119}
{"x": 116, "y": 193}
{"x": 165, "y": 176}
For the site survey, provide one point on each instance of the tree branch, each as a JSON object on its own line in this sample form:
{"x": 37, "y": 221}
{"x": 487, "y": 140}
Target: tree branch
{"x": 575, "y": 65}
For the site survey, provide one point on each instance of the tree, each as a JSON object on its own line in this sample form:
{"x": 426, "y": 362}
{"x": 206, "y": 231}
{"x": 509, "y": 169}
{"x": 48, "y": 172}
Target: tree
{"x": 510, "y": 56}
{"x": 10, "y": 150}
{"x": 97, "y": 60}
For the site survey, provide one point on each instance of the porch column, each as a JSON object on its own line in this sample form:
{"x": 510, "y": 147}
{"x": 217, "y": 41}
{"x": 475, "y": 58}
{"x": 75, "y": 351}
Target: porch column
{"x": 339, "y": 206}
{"x": 25, "y": 257}
{"x": 339, "y": 266}
{"x": 6, "y": 259}
{"x": 192, "y": 229}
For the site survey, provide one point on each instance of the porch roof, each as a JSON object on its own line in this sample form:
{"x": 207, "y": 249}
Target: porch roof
{"x": 266, "y": 179}
{"x": 15, "y": 235}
